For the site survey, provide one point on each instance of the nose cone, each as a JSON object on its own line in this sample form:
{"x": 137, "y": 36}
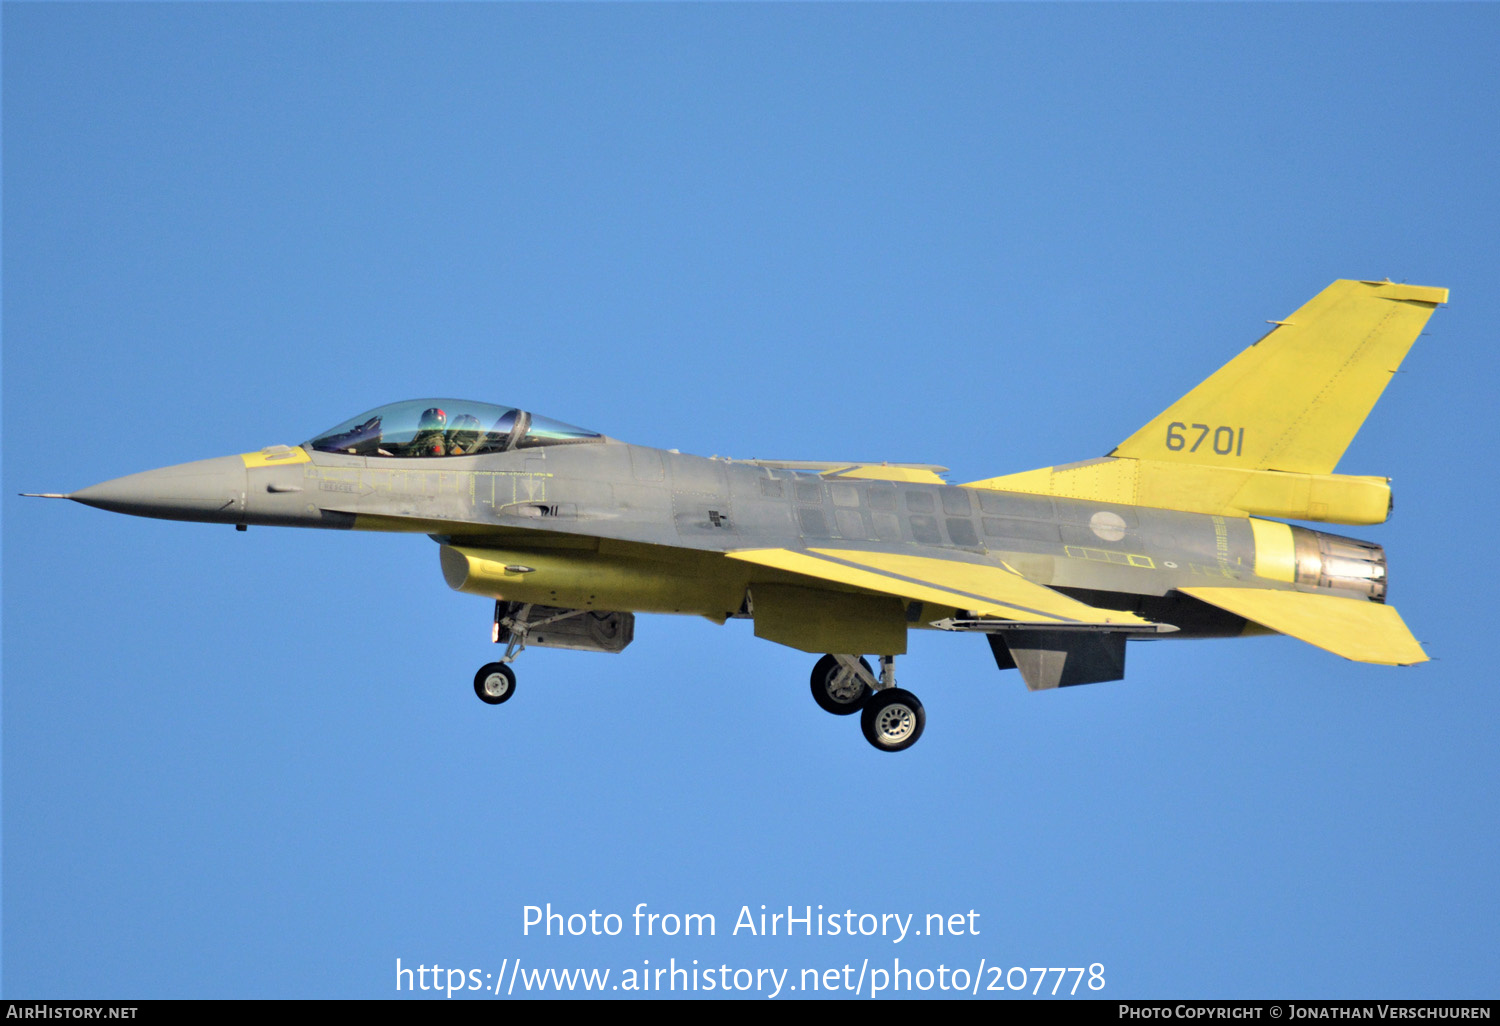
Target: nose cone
{"x": 209, "y": 490}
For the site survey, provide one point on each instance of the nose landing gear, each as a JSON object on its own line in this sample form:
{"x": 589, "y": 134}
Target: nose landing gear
{"x": 892, "y": 719}
{"x": 495, "y": 683}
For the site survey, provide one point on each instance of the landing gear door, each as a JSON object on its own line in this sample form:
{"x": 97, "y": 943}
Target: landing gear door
{"x": 583, "y": 630}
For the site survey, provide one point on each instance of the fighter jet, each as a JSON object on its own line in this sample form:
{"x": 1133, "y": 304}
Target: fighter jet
{"x": 1177, "y": 533}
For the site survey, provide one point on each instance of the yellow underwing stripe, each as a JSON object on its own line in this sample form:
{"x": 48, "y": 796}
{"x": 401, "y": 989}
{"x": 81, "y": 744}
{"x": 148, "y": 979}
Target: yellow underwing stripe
{"x": 987, "y": 590}
{"x": 997, "y": 584}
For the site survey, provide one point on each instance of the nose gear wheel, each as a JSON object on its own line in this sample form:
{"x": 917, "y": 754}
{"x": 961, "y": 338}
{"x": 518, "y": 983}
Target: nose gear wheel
{"x": 495, "y": 683}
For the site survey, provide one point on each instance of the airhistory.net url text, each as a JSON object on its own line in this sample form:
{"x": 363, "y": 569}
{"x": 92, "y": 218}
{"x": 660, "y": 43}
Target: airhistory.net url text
{"x": 672, "y": 977}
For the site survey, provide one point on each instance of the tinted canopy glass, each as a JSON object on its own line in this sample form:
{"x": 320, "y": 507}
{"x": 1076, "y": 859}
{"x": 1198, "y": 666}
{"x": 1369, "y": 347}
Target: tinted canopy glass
{"x": 445, "y": 427}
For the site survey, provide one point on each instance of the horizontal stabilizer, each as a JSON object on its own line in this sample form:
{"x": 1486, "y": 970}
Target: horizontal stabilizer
{"x": 1367, "y": 632}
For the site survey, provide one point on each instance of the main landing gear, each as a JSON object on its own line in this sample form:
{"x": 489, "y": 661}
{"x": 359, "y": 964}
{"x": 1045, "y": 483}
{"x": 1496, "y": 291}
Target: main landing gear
{"x": 892, "y": 719}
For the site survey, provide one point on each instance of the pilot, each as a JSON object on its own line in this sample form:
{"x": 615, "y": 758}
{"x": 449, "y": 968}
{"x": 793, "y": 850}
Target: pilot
{"x": 429, "y": 441}
{"x": 463, "y": 436}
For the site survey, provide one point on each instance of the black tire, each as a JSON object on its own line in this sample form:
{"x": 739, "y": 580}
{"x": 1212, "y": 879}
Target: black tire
{"x": 495, "y": 683}
{"x": 893, "y": 720}
{"x": 843, "y": 701}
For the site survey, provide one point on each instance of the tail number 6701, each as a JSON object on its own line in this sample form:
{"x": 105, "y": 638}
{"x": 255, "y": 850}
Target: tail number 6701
{"x": 1226, "y": 440}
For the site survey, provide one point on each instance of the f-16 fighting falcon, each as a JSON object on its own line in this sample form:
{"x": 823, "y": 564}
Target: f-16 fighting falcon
{"x": 1177, "y": 533}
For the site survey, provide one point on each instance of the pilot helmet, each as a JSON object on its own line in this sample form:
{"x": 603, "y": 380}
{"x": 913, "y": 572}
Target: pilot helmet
{"x": 429, "y": 437}
{"x": 463, "y": 436}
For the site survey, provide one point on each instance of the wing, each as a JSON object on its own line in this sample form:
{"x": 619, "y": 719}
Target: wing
{"x": 1367, "y": 632}
{"x": 988, "y": 590}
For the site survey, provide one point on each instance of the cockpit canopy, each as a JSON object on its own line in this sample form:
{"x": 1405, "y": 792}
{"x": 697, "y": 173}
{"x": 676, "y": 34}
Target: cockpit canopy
{"x": 446, "y": 427}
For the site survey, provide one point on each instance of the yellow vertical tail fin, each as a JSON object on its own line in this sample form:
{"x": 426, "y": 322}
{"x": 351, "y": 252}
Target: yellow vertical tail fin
{"x": 1294, "y": 400}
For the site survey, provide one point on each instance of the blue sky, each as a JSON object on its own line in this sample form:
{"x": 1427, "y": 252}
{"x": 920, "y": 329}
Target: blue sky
{"x": 992, "y": 237}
